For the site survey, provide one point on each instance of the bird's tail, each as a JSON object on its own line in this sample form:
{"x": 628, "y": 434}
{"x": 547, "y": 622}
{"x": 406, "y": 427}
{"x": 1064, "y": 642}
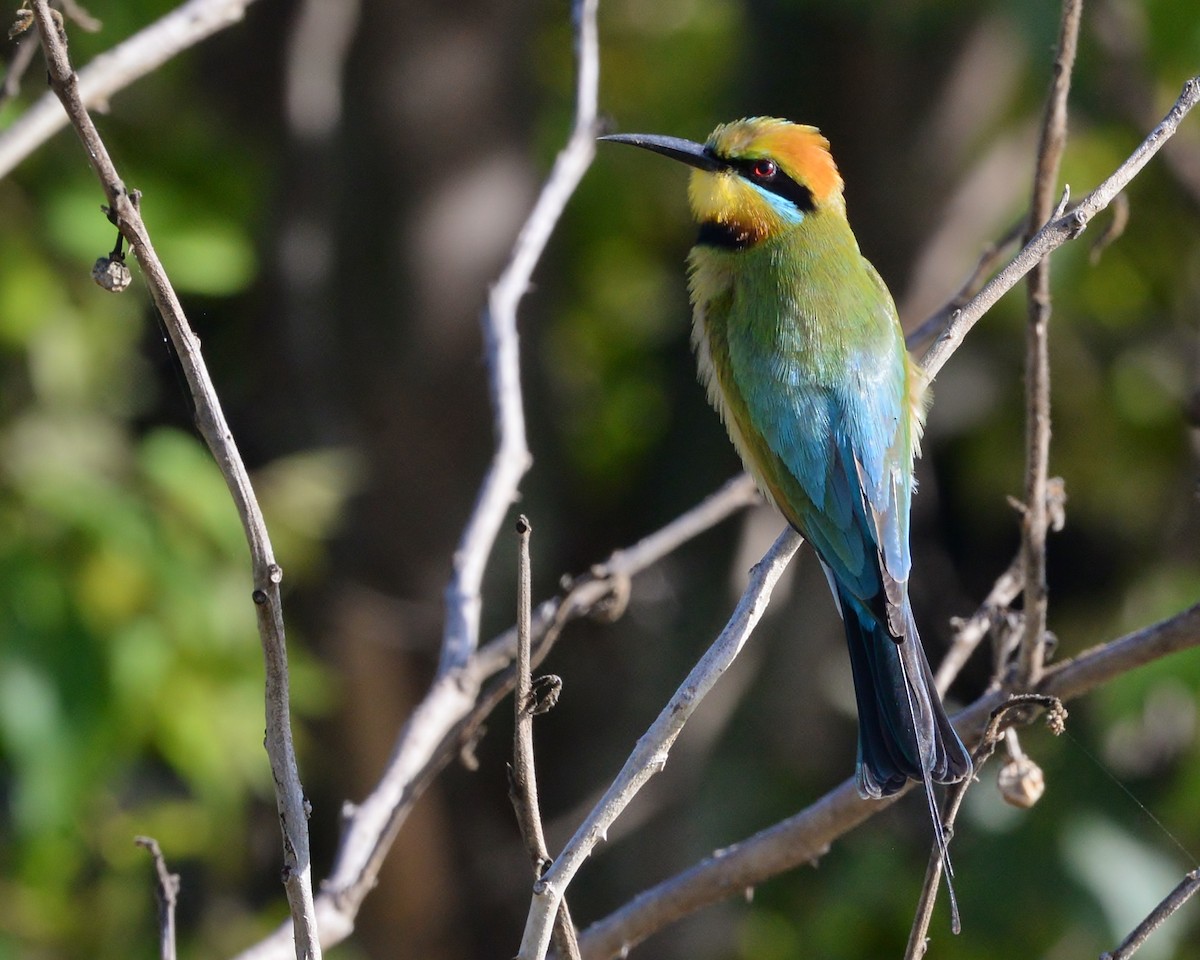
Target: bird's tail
{"x": 903, "y": 731}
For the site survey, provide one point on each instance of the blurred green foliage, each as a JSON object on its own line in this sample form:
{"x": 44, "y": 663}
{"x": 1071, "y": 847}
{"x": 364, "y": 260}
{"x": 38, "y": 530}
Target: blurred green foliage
{"x": 130, "y": 675}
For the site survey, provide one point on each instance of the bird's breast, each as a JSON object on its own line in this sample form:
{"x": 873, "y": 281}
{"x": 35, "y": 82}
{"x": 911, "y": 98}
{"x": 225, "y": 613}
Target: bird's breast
{"x": 716, "y": 319}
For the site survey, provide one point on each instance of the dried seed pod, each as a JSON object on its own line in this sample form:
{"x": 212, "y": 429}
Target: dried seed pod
{"x": 112, "y": 273}
{"x": 1021, "y": 782}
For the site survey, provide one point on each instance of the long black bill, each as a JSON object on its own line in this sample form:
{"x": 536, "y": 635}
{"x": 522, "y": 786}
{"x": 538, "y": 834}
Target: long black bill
{"x": 693, "y": 154}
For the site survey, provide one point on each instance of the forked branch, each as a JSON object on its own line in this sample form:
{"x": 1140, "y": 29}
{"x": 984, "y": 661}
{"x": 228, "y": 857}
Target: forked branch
{"x": 650, "y": 754}
{"x": 115, "y": 69}
{"x": 806, "y": 836}
{"x": 1058, "y": 231}
{"x": 512, "y": 459}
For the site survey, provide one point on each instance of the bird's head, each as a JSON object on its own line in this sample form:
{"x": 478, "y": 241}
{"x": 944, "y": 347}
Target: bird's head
{"x": 752, "y": 179}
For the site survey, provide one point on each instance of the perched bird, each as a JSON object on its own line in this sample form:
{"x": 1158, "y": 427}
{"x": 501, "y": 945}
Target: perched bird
{"x": 801, "y": 351}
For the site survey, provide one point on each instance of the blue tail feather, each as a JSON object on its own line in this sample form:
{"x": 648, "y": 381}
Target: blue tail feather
{"x": 903, "y": 731}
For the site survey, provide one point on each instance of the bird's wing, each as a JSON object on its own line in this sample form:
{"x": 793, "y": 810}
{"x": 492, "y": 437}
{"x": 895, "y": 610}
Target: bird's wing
{"x": 879, "y": 439}
{"x": 845, "y": 477}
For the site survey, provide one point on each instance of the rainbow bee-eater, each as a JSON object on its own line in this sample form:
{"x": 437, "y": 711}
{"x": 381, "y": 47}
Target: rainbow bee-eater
{"x": 800, "y": 348}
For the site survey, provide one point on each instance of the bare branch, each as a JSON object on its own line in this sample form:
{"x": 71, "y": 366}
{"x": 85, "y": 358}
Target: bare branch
{"x": 141, "y": 54}
{"x": 991, "y": 736}
{"x": 1030, "y": 566}
{"x": 431, "y": 736}
{"x": 512, "y": 458}
{"x": 123, "y": 211}
{"x": 457, "y": 704}
{"x": 1058, "y": 231}
{"x": 806, "y": 837}
{"x": 523, "y": 779}
{"x": 650, "y": 754}
{"x": 1051, "y": 142}
{"x": 1170, "y": 903}
{"x": 166, "y": 892}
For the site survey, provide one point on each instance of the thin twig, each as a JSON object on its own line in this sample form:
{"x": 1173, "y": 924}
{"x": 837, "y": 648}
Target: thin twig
{"x": 457, "y": 704}
{"x": 992, "y": 734}
{"x": 1032, "y": 560}
{"x": 112, "y": 71}
{"x": 523, "y": 778}
{"x": 650, "y": 754}
{"x": 806, "y": 836}
{"x": 524, "y": 782}
{"x": 1058, "y": 231}
{"x": 210, "y": 420}
{"x": 1051, "y": 143}
{"x": 1170, "y": 903}
{"x": 512, "y": 459}
{"x": 166, "y": 893}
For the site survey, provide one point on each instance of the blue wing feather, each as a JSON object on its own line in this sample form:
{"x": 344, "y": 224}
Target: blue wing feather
{"x": 839, "y": 443}
{"x": 836, "y": 422}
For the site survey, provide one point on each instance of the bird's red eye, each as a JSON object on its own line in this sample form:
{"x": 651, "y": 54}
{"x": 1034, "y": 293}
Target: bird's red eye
{"x": 763, "y": 169}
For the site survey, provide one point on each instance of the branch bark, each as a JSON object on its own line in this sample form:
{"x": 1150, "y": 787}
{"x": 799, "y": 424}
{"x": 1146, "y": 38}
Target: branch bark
{"x": 445, "y": 721}
{"x": 1155, "y": 919}
{"x": 1051, "y": 143}
{"x": 1058, "y": 231}
{"x": 650, "y": 754}
{"x": 512, "y": 458}
{"x": 522, "y": 775}
{"x": 210, "y": 420}
{"x": 166, "y": 892}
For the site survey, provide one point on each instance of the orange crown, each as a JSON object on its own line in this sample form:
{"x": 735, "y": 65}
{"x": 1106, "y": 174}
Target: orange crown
{"x": 800, "y": 150}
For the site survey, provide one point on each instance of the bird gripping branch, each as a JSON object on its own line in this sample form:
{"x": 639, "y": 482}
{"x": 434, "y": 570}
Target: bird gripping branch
{"x": 802, "y": 354}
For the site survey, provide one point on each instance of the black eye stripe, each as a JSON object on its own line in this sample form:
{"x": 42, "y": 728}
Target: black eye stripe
{"x": 778, "y": 183}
